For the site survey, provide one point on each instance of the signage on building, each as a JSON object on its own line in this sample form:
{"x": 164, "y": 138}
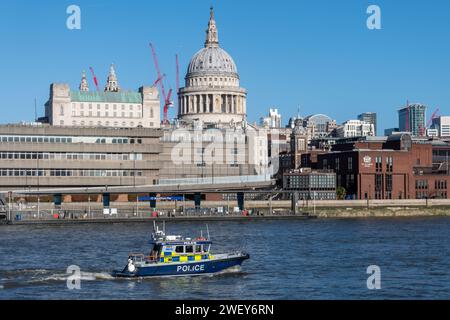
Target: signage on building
{"x": 367, "y": 162}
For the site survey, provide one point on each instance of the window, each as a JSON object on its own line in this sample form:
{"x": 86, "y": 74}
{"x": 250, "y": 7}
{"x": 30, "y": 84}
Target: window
{"x": 350, "y": 163}
{"x": 378, "y": 164}
{"x": 179, "y": 249}
{"x": 189, "y": 249}
{"x": 389, "y": 164}
{"x": 388, "y": 182}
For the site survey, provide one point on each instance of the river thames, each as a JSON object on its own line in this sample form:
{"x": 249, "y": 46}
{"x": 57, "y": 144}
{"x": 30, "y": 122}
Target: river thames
{"x": 295, "y": 259}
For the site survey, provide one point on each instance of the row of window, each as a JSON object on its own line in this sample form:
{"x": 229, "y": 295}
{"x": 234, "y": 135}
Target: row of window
{"x": 211, "y": 81}
{"x": 440, "y": 184}
{"x": 317, "y": 195}
{"x": 106, "y": 114}
{"x": 68, "y": 173}
{"x": 320, "y": 182}
{"x": 199, "y": 248}
{"x": 69, "y": 156}
{"x": 379, "y": 164}
{"x": 131, "y": 107}
{"x": 116, "y": 124}
{"x": 203, "y": 164}
{"x": 56, "y": 139}
{"x": 421, "y": 184}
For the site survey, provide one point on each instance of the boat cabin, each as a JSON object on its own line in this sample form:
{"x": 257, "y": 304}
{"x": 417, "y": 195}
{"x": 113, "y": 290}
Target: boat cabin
{"x": 177, "y": 249}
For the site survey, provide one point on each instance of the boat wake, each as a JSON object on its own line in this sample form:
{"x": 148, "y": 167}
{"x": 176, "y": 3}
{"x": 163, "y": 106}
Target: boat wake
{"x": 30, "y": 277}
{"x": 84, "y": 276}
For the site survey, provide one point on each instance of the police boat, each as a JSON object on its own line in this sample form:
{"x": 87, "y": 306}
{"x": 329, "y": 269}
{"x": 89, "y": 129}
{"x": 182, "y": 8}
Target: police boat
{"x": 179, "y": 256}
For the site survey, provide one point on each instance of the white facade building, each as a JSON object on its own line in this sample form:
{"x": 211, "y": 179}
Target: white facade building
{"x": 272, "y": 121}
{"x": 212, "y": 93}
{"x": 355, "y": 128}
{"x": 111, "y": 108}
{"x": 442, "y": 124}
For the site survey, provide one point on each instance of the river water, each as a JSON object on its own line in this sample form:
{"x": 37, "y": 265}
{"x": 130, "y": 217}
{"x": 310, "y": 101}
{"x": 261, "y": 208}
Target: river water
{"x": 296, "y": 259}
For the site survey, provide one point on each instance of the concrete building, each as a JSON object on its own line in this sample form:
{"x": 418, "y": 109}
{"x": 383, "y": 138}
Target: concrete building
{"x": 432, "y": 132}
{"x": 369, "y": 117}
{"x": 394, "y": 167}
{"x": 318, "y": 125}
{"x": 210, "y": 154}
{"x": 319, "y": 185}
{"x": 272, "y": 121}
{"x": 412, "y": 119}
{"x": 111, "y": 108}
{"x": 212, "y": 93}
{"x": 442, "y": 125}
{"x": 355, "y": 128}
{"x": 389, "y": 131}
{"x": 43, "y": 156}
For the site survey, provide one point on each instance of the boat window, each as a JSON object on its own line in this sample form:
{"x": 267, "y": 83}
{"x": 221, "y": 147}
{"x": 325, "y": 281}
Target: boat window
{"x": 206, "y": 247}
{"x": 179, "y": 249}
{"x": 189, "y": 249}
{"x": 198, "y": 248}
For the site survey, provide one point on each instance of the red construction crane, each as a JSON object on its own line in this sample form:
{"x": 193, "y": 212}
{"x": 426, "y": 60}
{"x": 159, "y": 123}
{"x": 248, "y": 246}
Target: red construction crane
{"x": 158, "y": 80}
{"x": 177, "y": 84}
{"x": 94, "y": 78}
{"x": 433, "y": 116}
{"x": 167, "y": 104}
{"x": 167, "y": 101}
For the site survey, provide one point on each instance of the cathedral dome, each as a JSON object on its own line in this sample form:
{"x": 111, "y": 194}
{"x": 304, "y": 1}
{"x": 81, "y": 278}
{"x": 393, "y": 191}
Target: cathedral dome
{"x": 212, "y": 93}
{"x": 212, "y": 61}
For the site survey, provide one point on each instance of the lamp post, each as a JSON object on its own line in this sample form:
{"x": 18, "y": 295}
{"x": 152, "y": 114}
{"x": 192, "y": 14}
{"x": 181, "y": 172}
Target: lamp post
{"x": 120, "y": 174}
{"x": 89, "y": 206}
{"x": 314, "y": 203}
{"x": 134, "y": 170}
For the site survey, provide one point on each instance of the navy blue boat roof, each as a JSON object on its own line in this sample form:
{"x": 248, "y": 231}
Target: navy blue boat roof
{"x": 181, "y": 243}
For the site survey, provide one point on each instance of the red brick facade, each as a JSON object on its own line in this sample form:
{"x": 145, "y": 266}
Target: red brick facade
{"x": 394, "y": 169}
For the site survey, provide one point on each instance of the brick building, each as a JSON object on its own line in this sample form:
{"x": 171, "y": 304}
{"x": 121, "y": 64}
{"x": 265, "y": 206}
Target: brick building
{"x": 394, "y": 167}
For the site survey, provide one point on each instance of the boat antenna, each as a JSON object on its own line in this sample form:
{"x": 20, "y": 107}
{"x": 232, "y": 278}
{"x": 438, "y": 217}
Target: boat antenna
{"x": 207, "y": 232}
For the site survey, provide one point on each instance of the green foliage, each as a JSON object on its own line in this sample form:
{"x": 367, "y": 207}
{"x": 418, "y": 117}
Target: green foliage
{"x": 340, "y": 193}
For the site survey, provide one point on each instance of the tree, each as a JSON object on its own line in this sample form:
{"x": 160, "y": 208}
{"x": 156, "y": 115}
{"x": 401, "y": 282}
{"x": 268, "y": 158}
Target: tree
{"x": 340, "y": 193}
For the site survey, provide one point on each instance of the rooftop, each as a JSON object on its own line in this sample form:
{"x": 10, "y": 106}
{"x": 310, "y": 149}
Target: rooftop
{"x": 118, "y": 97}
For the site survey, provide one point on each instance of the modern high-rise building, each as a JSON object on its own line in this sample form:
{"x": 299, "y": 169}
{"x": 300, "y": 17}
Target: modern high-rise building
{"x": 412, "y": 119}
{"x": 369, "y": 117}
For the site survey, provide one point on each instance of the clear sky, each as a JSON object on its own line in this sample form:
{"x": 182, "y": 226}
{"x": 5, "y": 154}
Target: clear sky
{"x": 318, "y": 55}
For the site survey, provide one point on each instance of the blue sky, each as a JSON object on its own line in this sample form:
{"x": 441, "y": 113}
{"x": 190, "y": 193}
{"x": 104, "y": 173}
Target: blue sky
{"x": 318, "y": 55}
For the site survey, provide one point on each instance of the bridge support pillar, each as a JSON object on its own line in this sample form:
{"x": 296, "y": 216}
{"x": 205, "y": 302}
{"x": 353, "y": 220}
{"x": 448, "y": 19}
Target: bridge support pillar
{"x": 198, "y": 200}
{"x": 57, "y": 199}
{"x": 106, "y": 200}
{"x": 240, "y": 200}
{"x": 152, "y": 202}
{"x": 294, "y": 202}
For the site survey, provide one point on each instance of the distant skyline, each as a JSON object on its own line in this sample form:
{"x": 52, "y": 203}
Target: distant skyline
{"x": 316, "y": 55}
